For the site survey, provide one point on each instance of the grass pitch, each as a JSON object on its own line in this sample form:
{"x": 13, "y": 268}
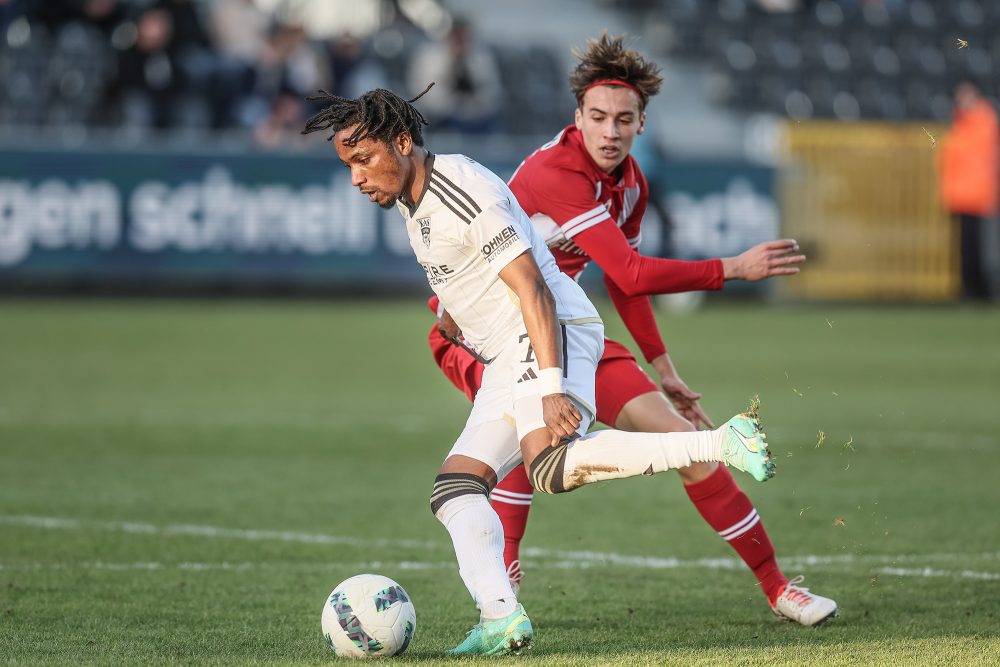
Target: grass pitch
{"x": 184, "y": 482}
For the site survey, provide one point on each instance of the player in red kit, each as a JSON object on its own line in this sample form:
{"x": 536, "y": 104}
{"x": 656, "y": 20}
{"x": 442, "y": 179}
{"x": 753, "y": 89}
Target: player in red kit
{"x": 586, "y": 195}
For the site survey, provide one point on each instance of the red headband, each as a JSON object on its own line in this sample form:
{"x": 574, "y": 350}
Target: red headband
{"x": 611, "y": 82}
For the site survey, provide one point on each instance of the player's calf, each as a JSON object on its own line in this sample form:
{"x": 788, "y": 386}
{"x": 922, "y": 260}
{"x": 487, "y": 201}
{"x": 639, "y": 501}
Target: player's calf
{"x": 459, "y": 503}
{"x": 547, "y": 470}
{"x": 610, "y": 454}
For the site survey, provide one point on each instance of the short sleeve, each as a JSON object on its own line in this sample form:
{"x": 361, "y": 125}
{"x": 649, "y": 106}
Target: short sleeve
{"x": 569, "y": 198}
{"x": 497, "y": 235}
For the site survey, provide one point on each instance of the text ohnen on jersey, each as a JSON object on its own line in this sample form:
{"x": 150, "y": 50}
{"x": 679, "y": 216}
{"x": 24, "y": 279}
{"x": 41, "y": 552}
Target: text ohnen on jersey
{"x": 499, "y": 242}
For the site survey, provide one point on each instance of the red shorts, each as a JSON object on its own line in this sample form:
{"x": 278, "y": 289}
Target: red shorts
{"x": 619, "y": 380}
{"x": 619, "y": 376}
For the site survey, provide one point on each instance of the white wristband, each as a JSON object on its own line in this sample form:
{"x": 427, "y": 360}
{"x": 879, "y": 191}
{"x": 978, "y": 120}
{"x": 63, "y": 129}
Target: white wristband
{"x": 551, "y": 381}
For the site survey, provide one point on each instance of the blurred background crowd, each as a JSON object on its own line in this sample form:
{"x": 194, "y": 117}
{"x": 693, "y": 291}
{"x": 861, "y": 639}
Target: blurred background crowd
{"x": 221, "y": 65}
{"x": 827, "y": 97}
{"x": 247, "y": 64}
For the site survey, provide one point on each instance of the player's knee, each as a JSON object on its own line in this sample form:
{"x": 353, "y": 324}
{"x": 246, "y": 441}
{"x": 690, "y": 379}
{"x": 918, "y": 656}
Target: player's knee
{"x": 451, "y": 485}
{"x": 547, "y": 470}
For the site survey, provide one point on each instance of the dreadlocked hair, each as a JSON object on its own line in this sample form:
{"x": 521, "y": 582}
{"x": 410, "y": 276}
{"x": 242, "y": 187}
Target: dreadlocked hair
{"x": 608, "y": 58}
{"x": 379, "y": 114}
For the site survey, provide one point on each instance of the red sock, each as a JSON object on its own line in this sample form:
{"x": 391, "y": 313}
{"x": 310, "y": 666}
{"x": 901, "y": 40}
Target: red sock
{"x": 511, "y": 499}
{"x": 728, "y": 510}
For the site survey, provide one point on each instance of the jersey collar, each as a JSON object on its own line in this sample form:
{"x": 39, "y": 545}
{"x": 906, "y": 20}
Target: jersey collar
{"x": 428, "y": 168}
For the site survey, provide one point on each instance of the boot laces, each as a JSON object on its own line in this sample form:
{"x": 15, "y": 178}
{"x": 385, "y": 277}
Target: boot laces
{"x": 797, "y": 595}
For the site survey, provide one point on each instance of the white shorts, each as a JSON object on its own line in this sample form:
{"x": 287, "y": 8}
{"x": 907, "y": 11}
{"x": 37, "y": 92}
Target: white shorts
{"x": 509, "y": 405}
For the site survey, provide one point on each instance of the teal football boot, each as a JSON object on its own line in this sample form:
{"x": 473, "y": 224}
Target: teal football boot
{"x": 745, "y": 444}
{"x": 497, "y": 637}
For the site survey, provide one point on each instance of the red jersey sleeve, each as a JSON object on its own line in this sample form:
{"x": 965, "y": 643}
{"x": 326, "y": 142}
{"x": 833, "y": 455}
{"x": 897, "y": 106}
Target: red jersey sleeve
{"x": 638, "y": 275}
{"x": 567, "y": 196}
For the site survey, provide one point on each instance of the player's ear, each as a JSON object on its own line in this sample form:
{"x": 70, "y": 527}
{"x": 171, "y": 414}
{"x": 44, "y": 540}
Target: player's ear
{"x": 578, "y": 118}
{"x": 642, "y": 123}
{"x": 404, "y": 143}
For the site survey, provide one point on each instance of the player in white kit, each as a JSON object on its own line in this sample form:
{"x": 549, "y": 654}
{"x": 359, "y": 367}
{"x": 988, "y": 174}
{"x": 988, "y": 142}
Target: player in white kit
{"x": 538, "y": 333}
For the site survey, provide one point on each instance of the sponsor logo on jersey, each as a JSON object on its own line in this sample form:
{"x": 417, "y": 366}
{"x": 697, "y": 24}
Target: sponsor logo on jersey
{"x": 500, "y": 242}
{"x": 425, "y": 231}
{"x": 437, "y": 273}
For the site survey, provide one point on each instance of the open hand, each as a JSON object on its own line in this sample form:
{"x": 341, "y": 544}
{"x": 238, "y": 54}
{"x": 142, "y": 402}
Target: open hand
{"x": 686, "y": 401}
{"x": 764, "y": 260}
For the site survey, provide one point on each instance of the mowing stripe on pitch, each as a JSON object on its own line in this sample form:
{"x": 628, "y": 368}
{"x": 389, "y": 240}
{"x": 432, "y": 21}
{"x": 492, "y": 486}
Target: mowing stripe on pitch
{"x": 558, "y": 558}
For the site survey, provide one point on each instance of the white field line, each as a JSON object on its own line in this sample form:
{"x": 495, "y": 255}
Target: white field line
{"x": 212, "y": 532}
{"x": 405, "y": 565}
{"x": 897, "y": 439}
{"x": 34, "y": 566}
{"x": 558, "y": 558}
{"x": 931, "y": 572}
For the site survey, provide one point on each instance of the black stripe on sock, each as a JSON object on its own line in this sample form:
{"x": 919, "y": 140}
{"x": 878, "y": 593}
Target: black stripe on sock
{"x": 450, "y": 485}
{"x": 547, "y": 470}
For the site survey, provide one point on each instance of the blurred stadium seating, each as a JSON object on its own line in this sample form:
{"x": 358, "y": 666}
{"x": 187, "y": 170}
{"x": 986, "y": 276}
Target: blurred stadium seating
{"x": 145, "y": 65}
{"x": 77, "y": 61}
{"x": 843, "y": 59}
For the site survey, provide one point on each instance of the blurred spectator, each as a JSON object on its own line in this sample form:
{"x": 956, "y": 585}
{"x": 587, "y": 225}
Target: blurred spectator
{"x": 209, "y": 84}
{"x": 353, "y": 69}
{"x": 149, "y": 76}
{"x": 779, "y": 6}
{"x": 239, "y": 28}
{"x": 103, "y": 14}
{"x": 281, "y": 127}
{"x": 11, "y": 10}
{"x": 466, "y": 97}
{"x": 970, "y": 179}
{"x": 287, "y": 70}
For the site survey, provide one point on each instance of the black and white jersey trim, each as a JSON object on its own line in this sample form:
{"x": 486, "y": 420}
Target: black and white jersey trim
{"x": 449, "y": 202}
{"x": 458, "y": 197}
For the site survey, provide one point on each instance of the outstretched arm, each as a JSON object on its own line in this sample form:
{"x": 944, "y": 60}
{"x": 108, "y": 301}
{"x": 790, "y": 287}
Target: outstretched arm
{"x": 638, "y": 274}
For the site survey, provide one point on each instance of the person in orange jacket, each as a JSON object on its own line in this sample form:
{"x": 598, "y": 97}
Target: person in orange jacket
{"x": 970, "y": 180}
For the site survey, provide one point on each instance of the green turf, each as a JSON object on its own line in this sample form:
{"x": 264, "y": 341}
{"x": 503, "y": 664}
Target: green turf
{"x": 128, "y": 428}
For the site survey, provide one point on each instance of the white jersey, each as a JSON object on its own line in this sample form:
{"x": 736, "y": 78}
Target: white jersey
{"x": 468, "y": 226}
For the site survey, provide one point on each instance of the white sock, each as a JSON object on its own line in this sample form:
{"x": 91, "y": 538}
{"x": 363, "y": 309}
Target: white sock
{"x": 477, "y": 534}
{"x": 611, "y": 454}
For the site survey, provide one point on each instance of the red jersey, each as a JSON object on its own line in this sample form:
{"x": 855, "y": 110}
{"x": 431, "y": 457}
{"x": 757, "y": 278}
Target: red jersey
{"x": 586, "y": 214}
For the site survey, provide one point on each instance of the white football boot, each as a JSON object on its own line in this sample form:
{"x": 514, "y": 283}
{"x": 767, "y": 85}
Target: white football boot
{"x": 798, "y": 605}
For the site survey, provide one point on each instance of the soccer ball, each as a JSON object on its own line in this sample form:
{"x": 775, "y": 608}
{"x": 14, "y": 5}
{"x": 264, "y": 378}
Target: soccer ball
{"x": 368, "y": 615}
